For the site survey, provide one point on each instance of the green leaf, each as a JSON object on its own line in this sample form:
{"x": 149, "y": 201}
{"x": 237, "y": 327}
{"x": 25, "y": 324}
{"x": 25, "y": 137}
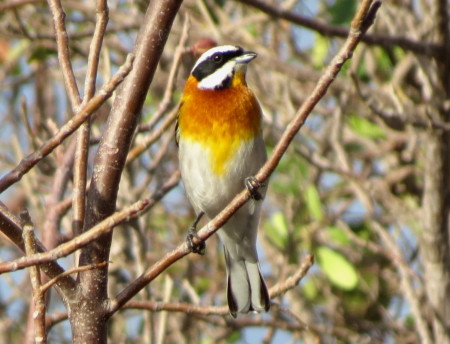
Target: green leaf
{"x": 319, "y": 52}
{"x": 337, "y": 268}
{"x": 342, "y": 11}
{"x": 277, "y": 231}
{"x": 41, "y": 54}
{"x": 338, "y": 235}
{"x": 310, "y": 290}
{"x": 365, "y": 128}
{"x": 313, "y": 203}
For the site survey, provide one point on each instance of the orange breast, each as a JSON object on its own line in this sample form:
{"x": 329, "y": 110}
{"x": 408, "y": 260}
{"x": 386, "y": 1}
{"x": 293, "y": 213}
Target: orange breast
{"x": 219, "y": 120}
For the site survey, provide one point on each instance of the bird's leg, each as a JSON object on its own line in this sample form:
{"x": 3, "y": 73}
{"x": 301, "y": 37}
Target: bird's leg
{"x": 200, "y": 246}
{"x": 252, "y": 185}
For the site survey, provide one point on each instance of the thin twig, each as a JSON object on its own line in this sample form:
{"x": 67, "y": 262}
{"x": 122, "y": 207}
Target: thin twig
{"x": 10, "y": 226}
{"x": 291, "y": 282}
{"x": 407, "y": 286}
{"x": 419, "y": 47}
{"x": 81, "y": 156}
{"x": 392, "y": 118}
{"x": 54, "y": 280}
{"x": 62, "y": 43}
{"x": 78, "y": 242}
{"x": 29, "y": 240}
{"x": 66, "y": 130}
{"x": 278, "y": 289}
{"x": 103, "y": 227}
{"x": 153, "y": 137}
{"x": 168, "y": 92}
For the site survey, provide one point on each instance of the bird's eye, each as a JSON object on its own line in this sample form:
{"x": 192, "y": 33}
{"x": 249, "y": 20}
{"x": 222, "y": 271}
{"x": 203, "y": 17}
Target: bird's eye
{"x": 218, "y": 58}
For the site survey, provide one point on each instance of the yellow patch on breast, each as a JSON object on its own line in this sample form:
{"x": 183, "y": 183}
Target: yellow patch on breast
{"x": 219, "y": 120}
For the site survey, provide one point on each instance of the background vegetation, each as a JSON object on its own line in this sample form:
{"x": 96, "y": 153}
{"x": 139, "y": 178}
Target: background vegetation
{"x": 364, "y": 186}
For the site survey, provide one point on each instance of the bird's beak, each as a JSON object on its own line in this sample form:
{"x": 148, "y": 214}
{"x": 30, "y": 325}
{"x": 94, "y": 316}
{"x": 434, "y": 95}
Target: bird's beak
{"x": 246, "y": 57}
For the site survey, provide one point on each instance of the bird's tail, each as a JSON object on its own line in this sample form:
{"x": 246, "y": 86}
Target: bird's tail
{"x": 246, "y": 289}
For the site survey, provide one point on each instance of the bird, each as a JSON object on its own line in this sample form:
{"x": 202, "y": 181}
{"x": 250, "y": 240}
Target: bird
{"x": 220, "y": 149}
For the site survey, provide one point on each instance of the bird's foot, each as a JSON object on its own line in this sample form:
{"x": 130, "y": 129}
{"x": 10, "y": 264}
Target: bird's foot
{"x": 198, "y": 247}
{"x": 252, "y": 185}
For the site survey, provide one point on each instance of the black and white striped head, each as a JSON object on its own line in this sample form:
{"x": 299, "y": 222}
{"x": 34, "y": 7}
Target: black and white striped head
{"x": 215, "y": 69}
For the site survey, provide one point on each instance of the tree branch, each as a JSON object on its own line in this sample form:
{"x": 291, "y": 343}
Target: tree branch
{"x": 10, "y": 226}
{"x": 109, "y": 163}
{"x": 40, "y": 334}
{"x": 430, "y": 49}
{"x": 66, "y": 130}
{"x": 62, "y": 42}
{"x": 81, "y": 156}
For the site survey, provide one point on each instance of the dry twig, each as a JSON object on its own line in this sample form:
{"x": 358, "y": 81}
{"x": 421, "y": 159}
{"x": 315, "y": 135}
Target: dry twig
{"x": 66, "y": 130}
{"x": 40, "y": 334}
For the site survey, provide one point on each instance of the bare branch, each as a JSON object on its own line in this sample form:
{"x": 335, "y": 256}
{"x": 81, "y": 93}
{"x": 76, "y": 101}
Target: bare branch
{"x": 80, "y": 166}
{"x": 278, "y": 289}
{"x": 407, "y": 286}
{"x": 11, "y": 227}
{"x": 52, "y": 282}
{"x": 40, "y": 334}
{"x": 78, "y": 242}
{"x": 291, "y": 282}
{"x": 390, "y": 41}
{"x": 155, "y": 135}
{"x": 66, "y": 130}
{"x": 168, "y": 92}
{"x": 109, "y": 162}
{"x": 95, "y": 232}
{"x": 62, "y": 42}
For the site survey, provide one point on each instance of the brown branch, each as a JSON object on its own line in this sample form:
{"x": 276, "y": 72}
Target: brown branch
{"x": 95, "y": 232}
{"x": 291, "y": 282}
{"x": 434, "y": 236}
{"x": 66, "y": 130}
{"x": 153, "y": 137}
{"x": 360, "y": 24}
{"x": 52, "y": 282}
{"x": 278, "y": 289}
{"x": 78, "y": 242}
{"x": 442, "y": 16}
{"x": 62, "y": 43}
{"x": 80, "y": 166}
{"x": 50, "y": 233}
{"x": 394, "y": 120}
{"x": 363, "y": 18}
{"x": 168, "y": 92}
{"x": 40, "y": 334}
{"x": 54, "y": 319}
{"x": 407, "y": 286}
{"x": 430, "y": 49}
{"x": 11, "y": 227}
{"x": 108, "y": 166}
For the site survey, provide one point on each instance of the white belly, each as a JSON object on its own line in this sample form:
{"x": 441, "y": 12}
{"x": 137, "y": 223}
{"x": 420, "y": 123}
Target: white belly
{"x": 208, "y": 191}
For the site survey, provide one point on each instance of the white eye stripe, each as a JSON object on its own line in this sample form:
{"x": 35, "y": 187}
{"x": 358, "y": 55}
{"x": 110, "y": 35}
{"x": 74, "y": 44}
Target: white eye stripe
{"x": 212, "y": 51}
{"x": 219, "y": 77}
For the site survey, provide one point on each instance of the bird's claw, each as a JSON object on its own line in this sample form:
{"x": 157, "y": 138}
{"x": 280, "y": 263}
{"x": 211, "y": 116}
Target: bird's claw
{"x": 252, "y": 185}
{"x": 200, "y": 246}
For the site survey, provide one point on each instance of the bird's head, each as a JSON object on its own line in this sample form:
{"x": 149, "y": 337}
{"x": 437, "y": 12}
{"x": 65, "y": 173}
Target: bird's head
{"x": 216, "y": 68}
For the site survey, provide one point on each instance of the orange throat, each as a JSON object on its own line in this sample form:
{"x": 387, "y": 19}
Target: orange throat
{"x": 219, "y": 120}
